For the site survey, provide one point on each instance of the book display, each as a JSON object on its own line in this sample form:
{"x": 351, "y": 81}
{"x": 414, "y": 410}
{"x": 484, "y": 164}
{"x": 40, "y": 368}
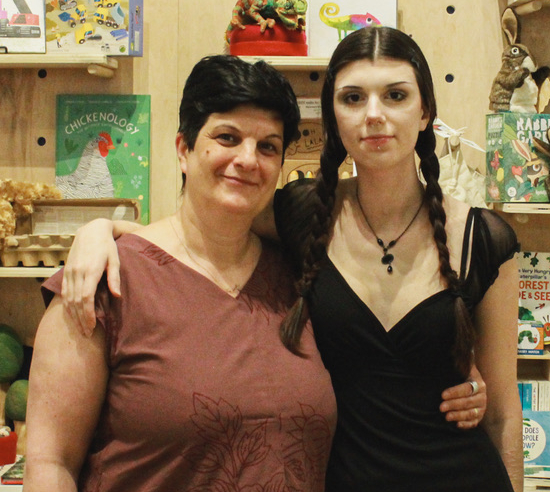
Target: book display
{"x": 102, "y": 148}
{"x": 153, "y": 187}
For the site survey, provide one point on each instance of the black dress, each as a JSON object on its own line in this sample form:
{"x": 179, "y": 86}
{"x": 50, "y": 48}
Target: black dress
{"x": 391, "y": 436}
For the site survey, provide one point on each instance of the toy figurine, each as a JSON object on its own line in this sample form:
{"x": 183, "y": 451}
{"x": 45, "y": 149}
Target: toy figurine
{"x": 266, "y": 13}
{"x": 514, "y": 88}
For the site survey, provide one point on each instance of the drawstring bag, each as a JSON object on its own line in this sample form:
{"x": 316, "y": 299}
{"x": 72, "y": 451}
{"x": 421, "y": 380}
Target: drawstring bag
{"x": 456, "y": 178}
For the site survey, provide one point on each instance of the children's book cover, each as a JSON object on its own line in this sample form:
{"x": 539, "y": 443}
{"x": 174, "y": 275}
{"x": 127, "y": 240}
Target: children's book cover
{"x": 516, "y": 170}
{"x": 22, "y": 26}
{"x": 534, "y": 292}
{"x": 95, "y": 27}
{"x": 536, "y": 443}
{"x": 102, "y": 147}
{"x": 329, "y": 22}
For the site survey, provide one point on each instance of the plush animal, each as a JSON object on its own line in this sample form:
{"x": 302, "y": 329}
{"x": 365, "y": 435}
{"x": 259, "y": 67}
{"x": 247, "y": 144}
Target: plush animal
{"x": 16, "y": 199}
{"x": 265, "y": 13}
{"x": 514, "y": 88}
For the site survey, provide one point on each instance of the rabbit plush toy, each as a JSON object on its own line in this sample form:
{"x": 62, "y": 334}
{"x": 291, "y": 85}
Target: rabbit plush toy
{"x": 514, "y": 88}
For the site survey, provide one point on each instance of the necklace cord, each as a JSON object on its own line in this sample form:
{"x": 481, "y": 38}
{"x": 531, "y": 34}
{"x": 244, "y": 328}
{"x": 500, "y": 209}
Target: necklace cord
{"x": 387, "y": 258}
{"x": 218, "y": 280}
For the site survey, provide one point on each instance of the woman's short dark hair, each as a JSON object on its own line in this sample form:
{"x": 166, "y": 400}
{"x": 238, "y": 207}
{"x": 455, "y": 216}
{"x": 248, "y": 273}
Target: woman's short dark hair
{"x": 220, "y": 83}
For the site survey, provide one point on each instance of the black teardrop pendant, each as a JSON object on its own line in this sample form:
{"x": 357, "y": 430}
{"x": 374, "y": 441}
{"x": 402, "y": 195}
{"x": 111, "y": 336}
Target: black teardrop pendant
{"x": 387, "y": 260}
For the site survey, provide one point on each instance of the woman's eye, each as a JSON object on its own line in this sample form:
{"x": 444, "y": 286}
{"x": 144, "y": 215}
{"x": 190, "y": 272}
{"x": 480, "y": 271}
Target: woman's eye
{"x": 270, "y": 148}
{"x": 226, "y": 137}
{"x": 352, "y": 98}
{"x": 397, "y": 95}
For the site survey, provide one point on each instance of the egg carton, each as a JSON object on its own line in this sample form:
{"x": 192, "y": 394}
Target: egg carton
{"x": 33, "y": 250}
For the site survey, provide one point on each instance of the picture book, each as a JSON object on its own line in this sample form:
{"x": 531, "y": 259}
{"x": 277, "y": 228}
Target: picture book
{"x": 534, "y": 296}
{"x": 536, "y": 443}
{"x": 94, "y": 27}
{"x": 22, "y": 26}
{"x": 102, "y": 147}
{"x": 516, "y": 170}
{"x": 329, "y": 22}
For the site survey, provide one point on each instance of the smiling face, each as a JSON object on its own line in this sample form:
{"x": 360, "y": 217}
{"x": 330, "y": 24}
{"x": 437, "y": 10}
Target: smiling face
{"x": 235, "y": 162}
{"x": 378, "y": 110}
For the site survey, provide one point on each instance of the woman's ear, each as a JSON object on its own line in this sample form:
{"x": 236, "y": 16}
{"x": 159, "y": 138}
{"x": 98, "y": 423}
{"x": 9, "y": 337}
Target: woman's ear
{"x": 424, "y": 120}
{"x": 182, "y": 150}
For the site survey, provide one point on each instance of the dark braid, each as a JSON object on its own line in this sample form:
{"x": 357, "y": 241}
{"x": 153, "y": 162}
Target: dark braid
{"x": 429, "y": 166}
{"x": 312, "y": 245}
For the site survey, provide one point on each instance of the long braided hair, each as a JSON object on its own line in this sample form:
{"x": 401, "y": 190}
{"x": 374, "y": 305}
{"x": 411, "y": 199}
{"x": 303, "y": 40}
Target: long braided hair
{"x": 372, "y": 43}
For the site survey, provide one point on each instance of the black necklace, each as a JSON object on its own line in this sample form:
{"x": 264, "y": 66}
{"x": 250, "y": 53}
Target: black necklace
{"x": 387, "y": 258}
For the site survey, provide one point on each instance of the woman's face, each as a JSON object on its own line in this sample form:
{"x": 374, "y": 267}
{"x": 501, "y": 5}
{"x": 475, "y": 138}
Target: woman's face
{"x": 378, "y": 109}
{"x": 236, "y": 160}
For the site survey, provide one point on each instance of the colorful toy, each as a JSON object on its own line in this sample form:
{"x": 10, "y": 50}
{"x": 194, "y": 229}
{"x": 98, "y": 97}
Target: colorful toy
{"x": 266, "y": 13}
{"x": 345, "y": 23}
{"x": 95, "y": 26}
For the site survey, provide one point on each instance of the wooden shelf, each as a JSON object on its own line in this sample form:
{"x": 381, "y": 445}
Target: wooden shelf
{"x": 545, "y": 356}
{"x": 27, "y": 272}
{"x": 523, "y": 208}
{"x": 100, "y": 65}
{"x": 291, "y": 62}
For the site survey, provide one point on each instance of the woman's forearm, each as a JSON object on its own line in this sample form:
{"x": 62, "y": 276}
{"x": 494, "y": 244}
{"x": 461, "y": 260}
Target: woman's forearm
{"x": 507, "y": 435}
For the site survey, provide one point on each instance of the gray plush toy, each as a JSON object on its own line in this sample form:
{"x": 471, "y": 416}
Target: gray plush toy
{"x": 514, "y": 88}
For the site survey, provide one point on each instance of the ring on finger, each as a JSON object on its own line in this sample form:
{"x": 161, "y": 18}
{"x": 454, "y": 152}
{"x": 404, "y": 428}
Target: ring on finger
{"x": 475, "y": 387}
{"x": 476, "y": 412}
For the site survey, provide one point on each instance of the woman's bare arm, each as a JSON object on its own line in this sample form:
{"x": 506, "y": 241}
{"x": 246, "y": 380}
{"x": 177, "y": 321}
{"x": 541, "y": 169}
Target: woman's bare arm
{"x": 92, "y": 253}
{"x": 496, "y": 356}
{"x": 67, "y": 386}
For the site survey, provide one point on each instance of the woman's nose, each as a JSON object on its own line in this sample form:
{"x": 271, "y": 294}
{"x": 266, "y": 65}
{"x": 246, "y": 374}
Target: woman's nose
{"x": 246, "y": 156}
{"x": 375, "y": 114}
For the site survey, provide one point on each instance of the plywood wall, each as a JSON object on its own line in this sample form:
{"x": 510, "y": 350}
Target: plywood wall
{"x": 465, "y": 44}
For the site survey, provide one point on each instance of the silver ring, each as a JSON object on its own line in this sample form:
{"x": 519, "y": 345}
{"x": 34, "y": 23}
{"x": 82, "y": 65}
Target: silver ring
{"x": 475, "y": 387}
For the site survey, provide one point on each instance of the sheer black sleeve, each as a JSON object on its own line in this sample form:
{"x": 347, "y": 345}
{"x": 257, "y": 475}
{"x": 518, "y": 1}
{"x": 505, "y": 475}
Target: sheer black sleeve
{"x": 493, "y": 242}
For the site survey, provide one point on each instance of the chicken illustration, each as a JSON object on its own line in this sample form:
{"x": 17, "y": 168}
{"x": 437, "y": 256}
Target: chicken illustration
{"x": 91, "y": 178}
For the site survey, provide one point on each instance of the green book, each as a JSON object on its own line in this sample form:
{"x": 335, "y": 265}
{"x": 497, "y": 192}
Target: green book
{"x": 103, "y": 147}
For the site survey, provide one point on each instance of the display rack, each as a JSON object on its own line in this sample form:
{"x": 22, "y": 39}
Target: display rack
{"x": 99, "y": 65}
{"x": 291, "y": 62}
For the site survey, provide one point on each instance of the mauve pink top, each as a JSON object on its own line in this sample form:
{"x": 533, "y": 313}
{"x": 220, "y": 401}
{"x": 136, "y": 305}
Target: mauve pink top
{"x": 202, "y": 395}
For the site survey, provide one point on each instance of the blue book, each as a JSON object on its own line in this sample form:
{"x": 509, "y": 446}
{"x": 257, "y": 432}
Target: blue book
{"x": 527, "y": 395}
{"x": 536, "y": 443}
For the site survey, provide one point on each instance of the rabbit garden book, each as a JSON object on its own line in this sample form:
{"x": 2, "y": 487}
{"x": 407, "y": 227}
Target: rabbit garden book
{"x": 103, "y": 146}
{"x": 517, "y": 168}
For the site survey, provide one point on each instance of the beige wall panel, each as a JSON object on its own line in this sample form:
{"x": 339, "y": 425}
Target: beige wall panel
{"x": 466, "y": 44}
{"x": 156, "y": 74}
{"x": 27, "y": 113}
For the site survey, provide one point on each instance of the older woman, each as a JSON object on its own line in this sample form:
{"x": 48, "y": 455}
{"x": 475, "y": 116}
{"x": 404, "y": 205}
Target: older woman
{"x": 185, "y": 384}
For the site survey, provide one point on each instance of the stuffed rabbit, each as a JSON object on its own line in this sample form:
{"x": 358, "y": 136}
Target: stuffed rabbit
{"x": 514, "y": 88}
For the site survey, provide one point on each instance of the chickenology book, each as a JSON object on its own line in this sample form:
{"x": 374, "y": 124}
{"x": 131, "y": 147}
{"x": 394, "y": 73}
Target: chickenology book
{"x": 103, "y": 146}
